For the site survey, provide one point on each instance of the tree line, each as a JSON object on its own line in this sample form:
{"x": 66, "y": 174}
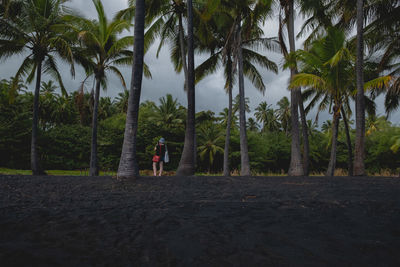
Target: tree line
{"x": 332, "y": 69}
{"x": 65, "y": 126}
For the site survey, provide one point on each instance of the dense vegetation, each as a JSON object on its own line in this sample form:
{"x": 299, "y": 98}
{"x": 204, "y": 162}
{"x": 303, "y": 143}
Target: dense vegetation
{"x": 82, "y": 130}
{"x": 65, "y": 134}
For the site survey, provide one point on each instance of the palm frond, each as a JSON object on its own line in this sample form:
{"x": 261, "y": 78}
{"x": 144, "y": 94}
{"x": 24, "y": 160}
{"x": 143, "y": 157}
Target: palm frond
{"x": 50, "y": 67}
{"x": 251, "y": 72}
{"x": 307, "y": 80}
{"x": 207, "y": 67}
{"x": 118, "y": 74}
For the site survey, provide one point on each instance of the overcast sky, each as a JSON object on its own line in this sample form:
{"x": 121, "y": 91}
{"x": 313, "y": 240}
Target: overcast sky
{"x": 210, "y": 94}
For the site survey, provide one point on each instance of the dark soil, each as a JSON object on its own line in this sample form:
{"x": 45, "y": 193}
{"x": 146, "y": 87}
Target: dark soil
{"x": 199, "y": 221}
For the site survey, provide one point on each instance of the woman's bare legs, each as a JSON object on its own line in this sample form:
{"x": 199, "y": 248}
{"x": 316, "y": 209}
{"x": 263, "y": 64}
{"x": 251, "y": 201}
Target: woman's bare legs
{"x": 161, "y": 168}
{"x": 155, "y": 168}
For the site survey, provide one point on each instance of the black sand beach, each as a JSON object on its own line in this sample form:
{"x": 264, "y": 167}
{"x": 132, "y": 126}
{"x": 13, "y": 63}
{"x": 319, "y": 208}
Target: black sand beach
{"x": 199, "y": 221}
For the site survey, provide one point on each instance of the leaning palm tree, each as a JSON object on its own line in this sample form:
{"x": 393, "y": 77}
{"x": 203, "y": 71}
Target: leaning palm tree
{"x": 37, "y": 29}
{"x": 101, "y": 51}
{"x": 128, "y": 164}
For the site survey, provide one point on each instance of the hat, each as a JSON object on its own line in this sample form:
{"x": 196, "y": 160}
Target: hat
{"x": 162, "y": 140}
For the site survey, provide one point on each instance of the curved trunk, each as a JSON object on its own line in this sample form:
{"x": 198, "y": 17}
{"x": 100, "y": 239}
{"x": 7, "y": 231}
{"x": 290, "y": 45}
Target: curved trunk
{"x": 306, "y": 144}
{"x": 359, "y": 167}
{"x": 94, "y": 166}
{"x": 187, "y": 161}
{"x": 128, "y": 164}
{"x": 335, "y": 130}
{"x": 228, "y": 134}
{"x": 296, "y": 166}
{"x": 35, "y": 162}
{"x": 348, "y": 139}
{"x": 244, "y": 153}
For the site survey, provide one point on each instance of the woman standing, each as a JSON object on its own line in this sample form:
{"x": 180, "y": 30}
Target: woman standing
{"x": 159, "y": 157}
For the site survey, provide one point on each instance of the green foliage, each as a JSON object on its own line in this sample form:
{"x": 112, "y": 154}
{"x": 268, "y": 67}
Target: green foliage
{"x": 66, "y": 147}
{"x": 379, "y": 156}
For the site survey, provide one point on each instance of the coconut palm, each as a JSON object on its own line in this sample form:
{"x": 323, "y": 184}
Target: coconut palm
{"x": 359, "y": 167}
{"x": 296, "y": 167}
{"x": 210, "y": 138}
{"x": 224, "y": 118}
{"x": 169, "y": 113}
{"x": 188, "y": 158}
{"x": 284, "y": 114}
{"x": 327, "y": 60}
{"x": 266, "y": 115}
{"x": 252, "y": 125}
{"x": 128, "y": 164}
{"x": 327, "y": 69}
{"x": 223, "y": 47}
{"x": 164, "y": 19}
{"x": 122, "y": 101}
{"x": 38, "y": 30}
{"x": 101, "y": 51}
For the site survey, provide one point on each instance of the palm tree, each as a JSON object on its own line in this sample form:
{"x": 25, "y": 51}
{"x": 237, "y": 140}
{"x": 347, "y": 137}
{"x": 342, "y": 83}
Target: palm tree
{"x": 224, "y": 120}
{"x": 101, "y": 51}
{"x": 284, "y": 114}
{"x": 296, "y": 167}
{"x": 359, "y": 167}
{"x": 122, "y": 101}
{"x": 37, "y": 28}
{"x": 169, "y": 113}
{"x": 210, "y": 137}
{"x": 252, "y": 125}
{"x": 128, "y": 164}
{"x": 187, "y": 161}
{"x": 327, "y": 60}
{"x": 266, "y": 115}
{"x": 223, "y": 46}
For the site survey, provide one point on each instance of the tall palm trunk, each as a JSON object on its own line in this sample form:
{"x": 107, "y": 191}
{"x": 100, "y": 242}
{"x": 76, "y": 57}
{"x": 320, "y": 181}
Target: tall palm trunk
{"x": 306, "y": 144}
{"x": 35, "y": 162}
{"x": 296, "y": 166}
{"x": 228, "y": 133}
{"x": 349, "y": 147}
{"x": 128, "y": 164}
{"x": 335, "y": 131}
{"x": 244, "y": 153}
{"x": 94, "y": 166}
{"x": 182, "y": 50}
{"x": 187, "y": 161}
{"x": 359, "y": 167}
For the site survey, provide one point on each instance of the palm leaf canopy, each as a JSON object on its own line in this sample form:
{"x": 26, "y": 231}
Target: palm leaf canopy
{"x": 37, "y": 28}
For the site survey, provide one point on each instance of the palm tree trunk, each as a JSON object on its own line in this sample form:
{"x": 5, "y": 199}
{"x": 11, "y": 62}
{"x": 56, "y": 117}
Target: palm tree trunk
{"x": 296, "y": 166}
{"x": 335, "y": 131}
{"x": 306, "y": 144}
{"x": 349, "y": 147}
{"x": 128, "y": 164}
{"x": 35, "y": 162}
{"x": 94, "y": 166}
{"x": 182, "y": 49}
{"x": 187, "y": 161}
{"x": 359, "y": 167}
{"x": 228, "y": 134}
{"x": 244, "y": 153}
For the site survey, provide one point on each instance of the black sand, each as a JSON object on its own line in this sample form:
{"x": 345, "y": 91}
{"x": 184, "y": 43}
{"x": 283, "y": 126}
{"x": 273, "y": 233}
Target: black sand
{"x": 199, "y": 221}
